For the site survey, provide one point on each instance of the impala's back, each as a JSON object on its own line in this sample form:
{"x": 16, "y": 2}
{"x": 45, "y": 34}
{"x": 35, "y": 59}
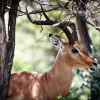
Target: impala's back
{"x": 24, "y": 86}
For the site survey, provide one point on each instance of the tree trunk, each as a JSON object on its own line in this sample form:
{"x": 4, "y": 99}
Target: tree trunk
{"x": 3, "y": 51}
{"x": 2, "y": 56}
{"x": 82, "y": 28}
{"x": 7, "y": 46}
{"x": 86, "y": 41}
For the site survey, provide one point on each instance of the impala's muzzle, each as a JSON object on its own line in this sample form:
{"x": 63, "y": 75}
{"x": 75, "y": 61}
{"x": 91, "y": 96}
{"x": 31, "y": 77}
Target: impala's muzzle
{"x": 94, "y": 68}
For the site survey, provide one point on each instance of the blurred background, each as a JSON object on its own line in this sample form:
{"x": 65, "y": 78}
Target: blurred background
{"x": 34, "y": 52}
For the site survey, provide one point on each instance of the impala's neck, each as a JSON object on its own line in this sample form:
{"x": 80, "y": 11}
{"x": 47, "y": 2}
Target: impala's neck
{"x": 62, "y": 65}
{"x": 60, "y": 75}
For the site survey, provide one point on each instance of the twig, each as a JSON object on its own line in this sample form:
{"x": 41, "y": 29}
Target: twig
{"x": 44, "y": 34}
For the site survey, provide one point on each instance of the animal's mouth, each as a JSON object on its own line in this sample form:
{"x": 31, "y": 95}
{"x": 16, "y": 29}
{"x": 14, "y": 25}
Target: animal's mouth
{"x": 92, "y": 69}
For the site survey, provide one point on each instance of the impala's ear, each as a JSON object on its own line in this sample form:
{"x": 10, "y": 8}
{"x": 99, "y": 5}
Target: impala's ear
{"x": 55, "y": 41}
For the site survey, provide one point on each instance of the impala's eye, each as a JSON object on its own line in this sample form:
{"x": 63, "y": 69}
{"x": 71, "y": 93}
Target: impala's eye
{"x": 75, "y": 50}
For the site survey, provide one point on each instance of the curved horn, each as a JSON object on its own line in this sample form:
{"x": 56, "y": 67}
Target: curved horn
{"x": 74, "y": 32}
{"x": 68, "y": 34}
{"x": 72, "y": 37}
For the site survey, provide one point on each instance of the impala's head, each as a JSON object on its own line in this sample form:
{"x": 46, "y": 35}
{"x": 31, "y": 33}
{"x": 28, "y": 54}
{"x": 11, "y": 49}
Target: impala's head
{"x": 71, "y": 50}
{"x": 74, "y": 54}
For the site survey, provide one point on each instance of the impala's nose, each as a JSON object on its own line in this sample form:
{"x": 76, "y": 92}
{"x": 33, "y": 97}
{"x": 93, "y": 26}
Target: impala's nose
{"x": 94, "y": 68}
{"x": 50, "y": 35}
{"x": 95, "y": 64}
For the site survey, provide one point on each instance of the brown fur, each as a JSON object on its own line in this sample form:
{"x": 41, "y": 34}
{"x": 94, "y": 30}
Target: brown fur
{"x": 46, "y": 86}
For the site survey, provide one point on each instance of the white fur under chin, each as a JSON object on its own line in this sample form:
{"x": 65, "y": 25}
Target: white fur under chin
{"x": 74, "y": 70}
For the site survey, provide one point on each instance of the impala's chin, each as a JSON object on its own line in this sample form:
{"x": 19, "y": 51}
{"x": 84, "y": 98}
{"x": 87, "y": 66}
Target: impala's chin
{"x": 92, "y": 69}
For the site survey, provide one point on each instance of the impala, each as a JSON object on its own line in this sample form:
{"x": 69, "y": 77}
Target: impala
{"x": 48, "y": 85}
